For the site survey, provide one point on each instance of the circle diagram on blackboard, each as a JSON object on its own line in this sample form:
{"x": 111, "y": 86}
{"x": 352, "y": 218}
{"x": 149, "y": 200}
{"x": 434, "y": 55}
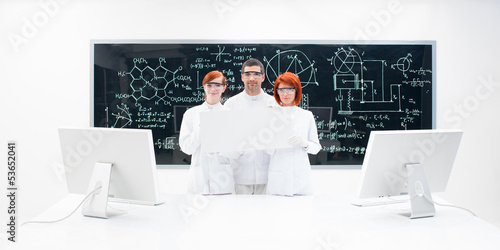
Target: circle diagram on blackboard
{"x": 403, "y": 64}
{"x": 294, "y": 61}
{"x": 345, "y": 60}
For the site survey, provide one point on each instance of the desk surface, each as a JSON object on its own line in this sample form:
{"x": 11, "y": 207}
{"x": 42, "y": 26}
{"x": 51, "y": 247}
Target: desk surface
{"x": 257, "y": 222}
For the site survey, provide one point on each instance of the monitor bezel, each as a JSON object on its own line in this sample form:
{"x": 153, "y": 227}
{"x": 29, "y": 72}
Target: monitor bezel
{"x": 133, "y": 173}
{"x": 383, "y": 173}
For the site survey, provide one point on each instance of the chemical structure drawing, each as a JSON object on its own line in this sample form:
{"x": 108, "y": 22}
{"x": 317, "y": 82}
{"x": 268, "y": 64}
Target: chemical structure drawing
{"x": 151, "y": 82}
{"x": 294, "y": 61}
{"x": 362, "y": 82}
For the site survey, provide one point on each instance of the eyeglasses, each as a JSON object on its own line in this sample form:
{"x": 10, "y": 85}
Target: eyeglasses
{"x": 215, "y": 85}
{"x": 285, "y": 90}
{"x": 250, "y": 74}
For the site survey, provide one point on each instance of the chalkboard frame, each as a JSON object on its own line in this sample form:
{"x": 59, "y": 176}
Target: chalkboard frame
{"x": 93, "y": 42}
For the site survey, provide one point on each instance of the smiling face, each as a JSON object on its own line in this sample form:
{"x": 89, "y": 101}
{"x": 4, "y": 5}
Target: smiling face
{"x": 287, "y": 94}
{"x": 252, "y": 77}
{"x": 214, "y": 90}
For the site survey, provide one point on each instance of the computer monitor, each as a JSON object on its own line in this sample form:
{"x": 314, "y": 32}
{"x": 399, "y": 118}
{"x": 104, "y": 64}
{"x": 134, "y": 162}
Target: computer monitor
{"x": 413, "y": 162}
{"x": 121, "y": 161}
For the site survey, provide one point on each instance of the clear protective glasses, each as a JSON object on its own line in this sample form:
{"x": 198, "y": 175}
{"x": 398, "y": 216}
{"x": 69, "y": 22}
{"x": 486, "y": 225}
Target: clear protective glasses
{"x": 214, "y": 85}
{"x": 253, "y": 74}
{"x": 286, "y": 90}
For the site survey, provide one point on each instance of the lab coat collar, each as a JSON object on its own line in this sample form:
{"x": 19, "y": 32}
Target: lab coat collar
{"x": 210, "y": 107}
{"x": 291, "y": 109}
{"x": 254, "y": 97}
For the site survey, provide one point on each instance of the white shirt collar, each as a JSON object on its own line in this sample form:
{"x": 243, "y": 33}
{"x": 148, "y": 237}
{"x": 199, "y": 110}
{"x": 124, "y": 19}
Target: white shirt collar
{"x": 214, "y": 106}
{"x": 254, "y": 97}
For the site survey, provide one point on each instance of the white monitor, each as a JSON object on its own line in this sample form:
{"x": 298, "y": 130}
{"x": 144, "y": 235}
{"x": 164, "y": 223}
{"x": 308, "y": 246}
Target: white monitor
{"x": 121, "y": 161}
{"x": 413, "y": 162}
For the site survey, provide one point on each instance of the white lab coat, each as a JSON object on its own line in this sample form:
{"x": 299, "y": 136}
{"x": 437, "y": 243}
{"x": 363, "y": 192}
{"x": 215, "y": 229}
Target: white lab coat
{"x": 250, "y": 167}
{"x": 209, "y": 173}
{"x": 289, "y": 169}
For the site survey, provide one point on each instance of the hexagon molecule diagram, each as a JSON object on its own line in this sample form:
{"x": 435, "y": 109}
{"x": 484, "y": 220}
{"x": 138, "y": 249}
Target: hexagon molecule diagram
{"x": 150, "y": 83}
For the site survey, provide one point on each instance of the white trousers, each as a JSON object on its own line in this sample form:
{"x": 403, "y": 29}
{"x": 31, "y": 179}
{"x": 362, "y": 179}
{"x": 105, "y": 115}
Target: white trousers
{"x": 250, "y": 189}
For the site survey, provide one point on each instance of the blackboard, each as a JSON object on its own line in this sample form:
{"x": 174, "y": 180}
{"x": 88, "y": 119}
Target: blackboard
{"x": 351, "y": 89}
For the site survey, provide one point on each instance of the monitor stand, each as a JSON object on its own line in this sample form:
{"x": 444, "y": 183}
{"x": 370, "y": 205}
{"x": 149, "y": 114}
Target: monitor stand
{"x": 421, "y": 205}
{"x": 97, "y": 205}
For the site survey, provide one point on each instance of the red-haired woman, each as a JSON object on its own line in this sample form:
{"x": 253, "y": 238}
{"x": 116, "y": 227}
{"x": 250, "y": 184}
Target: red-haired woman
{"x": 289, "y": 169}
{"x": 209, "y": 173}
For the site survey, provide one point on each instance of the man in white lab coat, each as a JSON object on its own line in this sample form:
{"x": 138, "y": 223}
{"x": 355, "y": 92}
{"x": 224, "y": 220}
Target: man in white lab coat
{"x": 250, "y": 168}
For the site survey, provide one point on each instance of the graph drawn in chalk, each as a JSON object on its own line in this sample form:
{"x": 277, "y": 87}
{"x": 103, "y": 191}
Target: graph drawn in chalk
{"x": 218, "y": 55}
{"x": 403, "y": 64}
{"x": 294, "y": 61}
{"x": 360, "y": 85}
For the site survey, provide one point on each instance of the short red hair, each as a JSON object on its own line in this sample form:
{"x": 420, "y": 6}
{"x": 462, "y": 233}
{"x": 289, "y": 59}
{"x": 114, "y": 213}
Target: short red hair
{"x": 291, "y": 79}
{"x": 212, "y": 75}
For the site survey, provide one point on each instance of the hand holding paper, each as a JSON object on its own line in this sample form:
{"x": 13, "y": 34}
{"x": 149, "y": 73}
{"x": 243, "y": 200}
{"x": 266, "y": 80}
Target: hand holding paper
{"x": 298, "y": 140}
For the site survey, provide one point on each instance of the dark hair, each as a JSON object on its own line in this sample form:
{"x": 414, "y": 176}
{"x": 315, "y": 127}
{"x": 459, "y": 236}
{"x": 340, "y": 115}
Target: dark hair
{"x": 252, "y": 62}
{"x": 292, "y": 79}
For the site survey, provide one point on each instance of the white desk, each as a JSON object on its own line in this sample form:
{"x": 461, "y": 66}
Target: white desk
{"x": 257, "y": 222}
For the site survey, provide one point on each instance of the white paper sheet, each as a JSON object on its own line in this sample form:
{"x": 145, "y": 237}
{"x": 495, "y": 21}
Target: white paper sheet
{"x": 242, "y": 130}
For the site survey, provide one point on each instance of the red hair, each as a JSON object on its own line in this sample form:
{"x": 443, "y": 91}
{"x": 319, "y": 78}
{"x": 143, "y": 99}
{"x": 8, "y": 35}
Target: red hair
{"x": 212, "y": 75}
{"x": 291, "y": 79}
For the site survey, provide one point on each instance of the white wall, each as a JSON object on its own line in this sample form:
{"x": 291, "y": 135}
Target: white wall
{"x": 44, "y": 66}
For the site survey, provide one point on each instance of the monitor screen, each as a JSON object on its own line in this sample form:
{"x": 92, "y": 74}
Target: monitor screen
{"x": 133, "y": 176}
{"x": 388, "y": 153}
